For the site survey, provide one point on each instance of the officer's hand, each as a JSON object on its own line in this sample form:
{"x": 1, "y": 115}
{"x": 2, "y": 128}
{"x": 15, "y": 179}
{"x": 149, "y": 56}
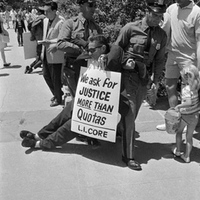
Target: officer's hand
{"x": 130, "y": 63}
{"x": 44, "y": 42}
{"x": 52, "y": 48}
{"x": 80, "y": 42}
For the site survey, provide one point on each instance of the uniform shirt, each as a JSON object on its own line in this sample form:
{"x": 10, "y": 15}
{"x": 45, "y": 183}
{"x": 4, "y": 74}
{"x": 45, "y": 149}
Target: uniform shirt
{"x": 133, "y": 38}
{"x": 185, "y": 27}
{"x": 72, "y": 28}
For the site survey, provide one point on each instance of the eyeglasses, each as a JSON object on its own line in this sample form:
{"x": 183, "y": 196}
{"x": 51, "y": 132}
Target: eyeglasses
{"x": 92, "y": 50}
{"x": 92, "y": 4}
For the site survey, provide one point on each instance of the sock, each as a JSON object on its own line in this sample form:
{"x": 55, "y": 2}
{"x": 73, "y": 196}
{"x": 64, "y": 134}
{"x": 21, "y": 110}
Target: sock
{"x": 37, "y": 137}
{"x": 37, "y": 145}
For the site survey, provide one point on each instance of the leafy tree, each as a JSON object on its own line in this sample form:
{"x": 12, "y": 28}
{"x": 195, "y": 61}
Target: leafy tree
{"x": 111, "y": 15}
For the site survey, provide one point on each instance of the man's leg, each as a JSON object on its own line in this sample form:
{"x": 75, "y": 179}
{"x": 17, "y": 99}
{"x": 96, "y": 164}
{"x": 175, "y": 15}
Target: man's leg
{"x": 172, "y": 75}
{"x": 57, "y": 122}
{"x": 57, "y": 132}
{"x": 21, "y": 36}
{"x": 59, "y": 137}
{"x": 47, "y": 75}
{"x": 171, "y": 87}
{"x": 18, "y": 38}
{"x": 132, "y": 85}
{"x": 56, "y": 78}
{"x": 62, "y": 135}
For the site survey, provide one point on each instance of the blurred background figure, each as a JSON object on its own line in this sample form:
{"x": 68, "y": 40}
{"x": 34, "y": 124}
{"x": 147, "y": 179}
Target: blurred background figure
{"x": 7, "y": 18}
{"x": 19, "y": 29}
{"x": 13, "y": 15}
{"x": 2, "y": 44}
{"x": 36, "y": 30}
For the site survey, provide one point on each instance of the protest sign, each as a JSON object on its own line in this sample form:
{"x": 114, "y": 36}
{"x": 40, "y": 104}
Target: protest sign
{"x": 95, "y": 112}
{"x": 29, "y": 46}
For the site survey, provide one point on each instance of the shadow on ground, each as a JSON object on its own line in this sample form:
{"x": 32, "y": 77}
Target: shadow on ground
{"x": 161, "y": 104}
{"x": 5, "y": 74}
{"x": 110, "y": 153}
{"x": 12, "y": 67}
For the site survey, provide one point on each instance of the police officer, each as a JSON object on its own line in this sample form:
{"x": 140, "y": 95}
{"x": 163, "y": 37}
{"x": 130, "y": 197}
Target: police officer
{"x": 73, "y": 40}
{"x": 143, "y": 42}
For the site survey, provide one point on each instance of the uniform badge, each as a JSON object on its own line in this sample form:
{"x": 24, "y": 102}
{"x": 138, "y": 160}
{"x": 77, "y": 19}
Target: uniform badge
{"x": 157, "y": 46}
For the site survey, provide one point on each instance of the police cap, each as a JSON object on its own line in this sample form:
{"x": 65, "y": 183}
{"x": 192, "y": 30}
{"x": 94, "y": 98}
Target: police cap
{"x": 157, "y": 7}
{"x": 84, "y": 1}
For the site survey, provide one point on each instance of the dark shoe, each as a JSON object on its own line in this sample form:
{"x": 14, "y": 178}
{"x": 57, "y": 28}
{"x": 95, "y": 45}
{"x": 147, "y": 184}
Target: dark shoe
{"x": 53, "y": 98}
{"x": 6, "y": 64}
{"x": 27, "y": 142}
{"x": 54, "y": 103}
{"x": 27, "y": 134}
{"x": 90, "y": 141}
{"x": 30, "y": 70}
{"x": 81, "y": 138}
{"x": 26, "y": 70}
{"x": 93, "y": 142}
{"x": 132, "y": 164}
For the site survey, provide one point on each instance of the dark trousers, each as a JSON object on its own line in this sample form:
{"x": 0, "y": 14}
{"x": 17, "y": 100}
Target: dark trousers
{"x": 20, "y": 38}
{"x": 135, "y": 94}
{"x": 58, "y": 131}
{"x": 52, "y": 76}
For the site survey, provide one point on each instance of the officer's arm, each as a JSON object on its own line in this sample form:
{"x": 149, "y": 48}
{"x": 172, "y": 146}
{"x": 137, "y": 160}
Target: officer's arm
{"x": 64, "y": 38}
{"x": 198, "y": 52}
{"x": 124, "y": 37}
{"x": 115, "y": 58}
{"x": 197, "y": 34}
{"x": 160, "y": 60}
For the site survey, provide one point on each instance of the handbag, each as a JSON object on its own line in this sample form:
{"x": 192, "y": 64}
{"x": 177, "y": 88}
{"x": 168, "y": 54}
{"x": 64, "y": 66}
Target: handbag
{"x": 5, "y": 38}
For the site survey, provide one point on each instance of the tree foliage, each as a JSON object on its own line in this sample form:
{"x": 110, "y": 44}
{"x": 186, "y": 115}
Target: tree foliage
{"x": 111, "y": 15}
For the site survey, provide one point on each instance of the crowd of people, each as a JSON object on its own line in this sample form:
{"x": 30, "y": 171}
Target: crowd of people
{"x": 139, "y": 54}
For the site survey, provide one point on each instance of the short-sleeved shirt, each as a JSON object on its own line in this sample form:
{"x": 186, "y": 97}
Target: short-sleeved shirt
{"x": 133, "y": 38}
{"x": 72, "y": 28}
{"x": 185, "y": 27}
{"x": 186, "y": 93}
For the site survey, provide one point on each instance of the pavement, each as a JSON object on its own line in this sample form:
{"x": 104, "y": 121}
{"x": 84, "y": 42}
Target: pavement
{"x": 76, "y": 171}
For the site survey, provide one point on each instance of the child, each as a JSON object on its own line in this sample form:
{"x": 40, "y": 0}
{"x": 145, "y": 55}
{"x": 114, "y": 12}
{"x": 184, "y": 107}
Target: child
{"x": 20, "y": 28}
{"x": 189, "y": 117}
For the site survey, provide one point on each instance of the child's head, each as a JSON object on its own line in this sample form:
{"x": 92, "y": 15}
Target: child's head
{"x": 191, "y": 75}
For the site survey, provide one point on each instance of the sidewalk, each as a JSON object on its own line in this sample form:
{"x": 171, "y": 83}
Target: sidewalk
{"x": 76, "y": 171}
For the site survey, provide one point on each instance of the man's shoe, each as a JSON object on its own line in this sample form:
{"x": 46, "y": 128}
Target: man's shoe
{"x": 161, "y": 127}
{"x": 6, "y": 64}
{"x": 27, "y": 142}
{"x": 26, "y": 69}
{"x": 132, "y": 164}
{"x": 53, "y": 98}
{"x": 54, "y": 103}
{"x": 27, "y": 134}
{"x": 93, "y": 142}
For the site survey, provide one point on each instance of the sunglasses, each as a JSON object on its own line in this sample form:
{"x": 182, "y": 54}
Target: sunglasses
{"x": 92, "y": 50}
{"x": 92, "y": 4}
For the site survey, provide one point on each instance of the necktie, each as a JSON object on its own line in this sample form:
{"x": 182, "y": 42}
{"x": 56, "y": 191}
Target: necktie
{"x": 87, "y": 34}
{"x": 49, "y": 25}
{"x": 148, "y": 42}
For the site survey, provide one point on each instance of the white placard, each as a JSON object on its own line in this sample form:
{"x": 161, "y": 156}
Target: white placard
{"x": 29, "y": 46}
{"x": 95, "y": 112}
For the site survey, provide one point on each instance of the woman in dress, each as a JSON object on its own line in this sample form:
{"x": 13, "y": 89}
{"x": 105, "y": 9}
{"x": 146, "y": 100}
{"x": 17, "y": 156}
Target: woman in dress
{"x": 3, "y": 44}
